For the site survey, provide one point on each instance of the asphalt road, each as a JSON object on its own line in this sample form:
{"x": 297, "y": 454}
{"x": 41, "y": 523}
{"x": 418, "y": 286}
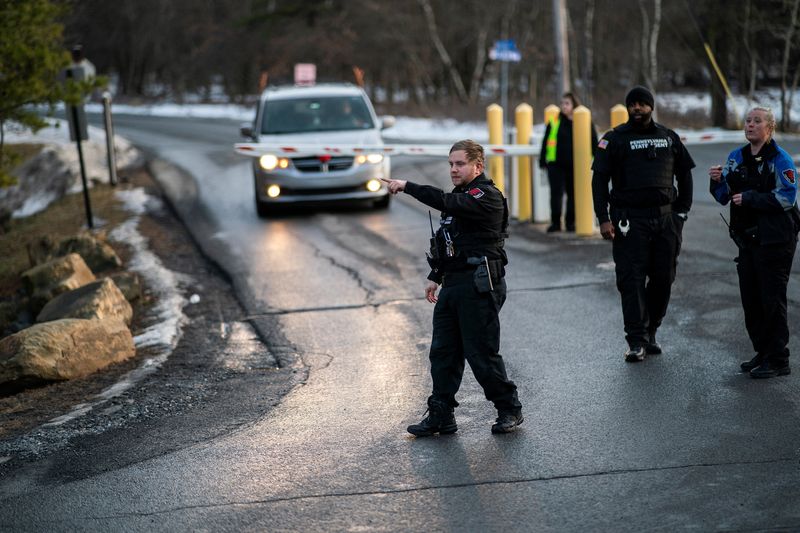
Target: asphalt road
{"x": 681, "y": 441}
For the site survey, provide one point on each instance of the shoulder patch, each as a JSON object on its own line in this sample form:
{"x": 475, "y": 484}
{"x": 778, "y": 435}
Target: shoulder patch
{"x": 789, "y": 175}
{"x": 475, "y": 192}
{"x": 602, "y": 144}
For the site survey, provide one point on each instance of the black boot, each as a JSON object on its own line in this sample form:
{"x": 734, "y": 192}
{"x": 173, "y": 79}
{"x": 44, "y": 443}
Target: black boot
{"x": 771, "y": 369}
{"x": 635, "y": 354}
{"x": 652, "y": 347}
{"x": 756, "y": 361}
{"x": 440, "y": 420}
{"x": 507, "y": 422}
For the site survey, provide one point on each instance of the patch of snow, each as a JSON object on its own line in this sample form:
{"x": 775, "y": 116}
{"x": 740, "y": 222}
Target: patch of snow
{"x": 35, "y": 203}
{"x": 55, "y": 171}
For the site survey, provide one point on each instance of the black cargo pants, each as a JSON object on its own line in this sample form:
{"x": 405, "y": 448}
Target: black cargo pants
{"x": 466, "y": 326}
{"x": 646, "y": 261}
{"x": 763, "y": 277}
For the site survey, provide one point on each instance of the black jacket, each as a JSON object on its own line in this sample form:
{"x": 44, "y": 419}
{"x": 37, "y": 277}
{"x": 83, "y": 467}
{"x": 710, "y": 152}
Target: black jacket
{"x": 475, "y": 216}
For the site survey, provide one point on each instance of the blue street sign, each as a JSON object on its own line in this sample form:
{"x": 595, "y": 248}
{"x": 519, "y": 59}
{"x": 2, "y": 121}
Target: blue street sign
{"x": 505, "y": 50}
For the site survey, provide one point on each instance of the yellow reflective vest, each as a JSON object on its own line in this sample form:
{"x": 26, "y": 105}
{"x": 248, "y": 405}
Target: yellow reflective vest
{"x": 550, "y": 148}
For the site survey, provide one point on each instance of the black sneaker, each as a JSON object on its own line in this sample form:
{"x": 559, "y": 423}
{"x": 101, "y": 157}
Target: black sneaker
{"x": 652, "y": 347}
{"x": 441, "y": 422}
{"x": 553, "y": 228}
{"x": 507, "y": 422}
{"x": 635, "y": 355}
{"x": 756, "y": 361}
{"x": 769, "y": 369}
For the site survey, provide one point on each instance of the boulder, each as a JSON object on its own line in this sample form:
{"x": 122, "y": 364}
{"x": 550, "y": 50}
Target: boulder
{"x": 42, "y": 250}
{"x": 100, "y": 299}
{"x": 129, "y": 284}
{"x": 46, "y": 281}
{"x": 97, "y": 254}
{"x": 61, "y": 350}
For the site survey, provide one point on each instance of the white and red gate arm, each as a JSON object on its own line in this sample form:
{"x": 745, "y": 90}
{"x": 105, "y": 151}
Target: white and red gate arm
{"x": 305, "y": 150}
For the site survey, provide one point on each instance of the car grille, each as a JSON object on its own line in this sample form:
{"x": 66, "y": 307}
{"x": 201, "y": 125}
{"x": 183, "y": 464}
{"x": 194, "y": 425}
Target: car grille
{"x": 326, "y": 190}
{"x": 313, "y": 164}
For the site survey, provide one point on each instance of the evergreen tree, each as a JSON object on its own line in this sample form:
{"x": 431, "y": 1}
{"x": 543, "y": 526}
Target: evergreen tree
{"x": 31, "y": 56}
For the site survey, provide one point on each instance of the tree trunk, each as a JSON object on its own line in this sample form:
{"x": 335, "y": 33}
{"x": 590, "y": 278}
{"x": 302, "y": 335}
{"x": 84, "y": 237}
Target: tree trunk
{"x": 643, "y": 42}
{"x": 442, "y": 51}
{"x": 719, "y": 109}
{"x": 787, "y": 51}
{"x": 562, "y": 45}
{"x": 588, "y": 68}
{"x": 753, "y": 67}
{"x": 649, "y": 43}
{"x": 480, "y": 63}
{"x": 653, "y": 49}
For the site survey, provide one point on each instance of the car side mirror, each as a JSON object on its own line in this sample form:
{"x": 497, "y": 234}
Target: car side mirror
{"x": 246, "y": 130}
{"x": 387, "y": 122}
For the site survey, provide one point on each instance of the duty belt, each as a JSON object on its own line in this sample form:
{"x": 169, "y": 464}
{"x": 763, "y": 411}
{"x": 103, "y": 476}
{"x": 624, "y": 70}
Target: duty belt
{"x": 464, "y": 275}
{"x": 623, "y": 213}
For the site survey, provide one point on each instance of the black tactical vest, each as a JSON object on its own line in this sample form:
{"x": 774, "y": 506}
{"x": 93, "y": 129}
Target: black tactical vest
{"x": 647, "y": 158}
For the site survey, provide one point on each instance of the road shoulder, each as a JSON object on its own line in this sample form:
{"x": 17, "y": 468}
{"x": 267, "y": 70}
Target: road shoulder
{"x": 220, "y": 377}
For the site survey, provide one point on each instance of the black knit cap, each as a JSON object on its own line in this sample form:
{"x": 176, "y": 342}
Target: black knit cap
{"x": 640, "y": 94}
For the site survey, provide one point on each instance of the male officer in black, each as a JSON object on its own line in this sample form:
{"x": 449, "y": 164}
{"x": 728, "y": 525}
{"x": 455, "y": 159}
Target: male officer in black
{"x": 467, "y": 259}
{"x": 643, "y": 160}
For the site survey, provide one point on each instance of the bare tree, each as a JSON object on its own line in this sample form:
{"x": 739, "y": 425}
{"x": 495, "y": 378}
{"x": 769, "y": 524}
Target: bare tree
{"x": 455, "y": 78}
{"x": 588, "y": 66}
{"x": 480, "y": 65}
{"x": 787, "y": 51}
{"x": 649, "y": 42}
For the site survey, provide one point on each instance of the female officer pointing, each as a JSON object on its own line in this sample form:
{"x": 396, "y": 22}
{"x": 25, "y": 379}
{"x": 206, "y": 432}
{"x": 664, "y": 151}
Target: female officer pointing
{"x": 760, "y": 182}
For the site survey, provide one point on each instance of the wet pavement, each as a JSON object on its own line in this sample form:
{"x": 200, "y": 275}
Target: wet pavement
{"x": 681, "y": 441}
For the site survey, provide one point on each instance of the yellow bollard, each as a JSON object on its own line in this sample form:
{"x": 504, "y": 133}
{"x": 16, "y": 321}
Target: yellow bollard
{"x": 619, "y": 115}
{"x": 550, "y": 113}
{"x": 523, "y": 117}
{"x": 582, "y": 159}
{"x": 494, "y": 120}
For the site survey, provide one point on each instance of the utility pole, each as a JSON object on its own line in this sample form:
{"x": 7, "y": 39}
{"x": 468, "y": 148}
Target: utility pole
{"x": 562, "y": 45}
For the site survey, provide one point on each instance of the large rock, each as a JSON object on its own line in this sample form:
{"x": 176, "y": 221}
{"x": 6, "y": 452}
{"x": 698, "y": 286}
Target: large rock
{"x": 97, "y": 254}
{"x": 129, "y": 283}
{"x": 50, "y": 279}
{"x": 100, "y": 299}
{"x": 61, "y": 350}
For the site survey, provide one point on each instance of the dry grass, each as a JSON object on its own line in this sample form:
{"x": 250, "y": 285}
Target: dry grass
{"x": 63, "y": 218}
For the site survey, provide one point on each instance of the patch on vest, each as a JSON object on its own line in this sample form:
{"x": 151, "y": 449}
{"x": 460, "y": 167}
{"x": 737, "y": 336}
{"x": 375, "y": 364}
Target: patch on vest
{"x": 643, "y": 144}
{"x": 602, "y": 144}
{"x": 476, "y": 192}
{"x": 789, "y": 175}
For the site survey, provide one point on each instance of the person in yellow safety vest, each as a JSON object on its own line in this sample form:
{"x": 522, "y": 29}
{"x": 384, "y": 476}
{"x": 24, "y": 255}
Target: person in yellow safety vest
{"x": 556, "y": 157}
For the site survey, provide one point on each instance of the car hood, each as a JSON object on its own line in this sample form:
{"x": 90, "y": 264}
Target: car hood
{"x": 359, "y": 137}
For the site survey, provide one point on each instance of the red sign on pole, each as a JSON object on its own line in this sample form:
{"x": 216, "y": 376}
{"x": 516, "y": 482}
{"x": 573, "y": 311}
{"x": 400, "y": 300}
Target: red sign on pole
{"x": 305, "y": 74}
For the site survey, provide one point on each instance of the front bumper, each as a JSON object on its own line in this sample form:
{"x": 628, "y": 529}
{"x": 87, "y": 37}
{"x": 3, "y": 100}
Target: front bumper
{"x": 316, "y": 187}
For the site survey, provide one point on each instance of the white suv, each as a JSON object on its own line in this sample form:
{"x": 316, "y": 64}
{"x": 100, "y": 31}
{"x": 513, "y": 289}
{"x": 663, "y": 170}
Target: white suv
{"x": 320, "y": 115}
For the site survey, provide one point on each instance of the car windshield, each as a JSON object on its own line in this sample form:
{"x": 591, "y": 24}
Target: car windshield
{"x": 316, "y": 114}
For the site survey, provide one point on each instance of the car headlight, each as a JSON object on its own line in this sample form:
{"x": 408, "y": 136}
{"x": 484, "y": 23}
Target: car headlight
{"x": 373, "y": 185}
{"x": 270, "y": 162}
{"x": 273, "y": 191}
{"x": 369, "y": 158}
